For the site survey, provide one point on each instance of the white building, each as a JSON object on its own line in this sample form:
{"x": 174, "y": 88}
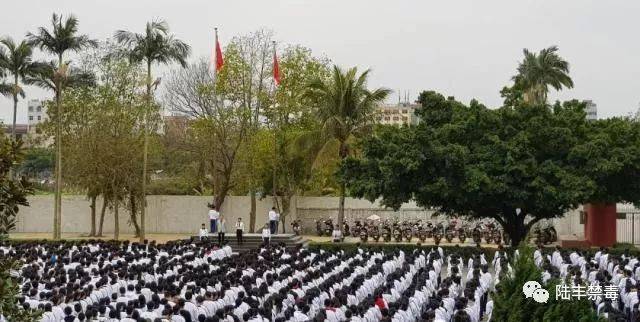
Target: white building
{"x": 592, "y": 110}
{"x": 36, "y": 113}
{"x": 398, "y": 114}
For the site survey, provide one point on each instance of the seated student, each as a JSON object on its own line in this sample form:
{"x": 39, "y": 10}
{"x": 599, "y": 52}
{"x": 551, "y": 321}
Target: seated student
{"x": 336, "y": 236}
{"x": 266, "y": 234}
{"x": 203, "y": 232}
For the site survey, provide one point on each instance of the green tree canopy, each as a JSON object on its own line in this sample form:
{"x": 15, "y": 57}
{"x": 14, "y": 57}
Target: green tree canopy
{"x": 473, "y": 161}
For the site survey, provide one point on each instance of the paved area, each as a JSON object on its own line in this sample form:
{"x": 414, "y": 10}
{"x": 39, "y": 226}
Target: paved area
{"x": 161, "y": 238}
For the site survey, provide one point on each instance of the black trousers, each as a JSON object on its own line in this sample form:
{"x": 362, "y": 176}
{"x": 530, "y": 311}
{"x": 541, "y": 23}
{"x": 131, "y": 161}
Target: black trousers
{"x": 239, "y": 236}
{"x": 220, "y": 238}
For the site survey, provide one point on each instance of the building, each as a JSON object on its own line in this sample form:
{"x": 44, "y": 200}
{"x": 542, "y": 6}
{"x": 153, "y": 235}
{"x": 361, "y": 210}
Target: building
{"x": 592, "y": 110}
{"x": 21, "y": 130}
{"x": 36, "y": 114}
{"x": 398, "y": 114}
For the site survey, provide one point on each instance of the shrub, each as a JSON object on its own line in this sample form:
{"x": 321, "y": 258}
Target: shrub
{"x": 511, "y": 305}
{"x": 9, "y": 292}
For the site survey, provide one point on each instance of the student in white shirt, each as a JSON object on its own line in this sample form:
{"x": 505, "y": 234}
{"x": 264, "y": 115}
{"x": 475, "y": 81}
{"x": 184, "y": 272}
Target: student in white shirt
{"x": 213, "y": 218}
{"x": 266, "y": 234}
{"x": 239, "y": 230}
{"x": 336, "y": 236}
{"x": 203, "y": 231}
{"x": 222, "y": 229}
{"x": 273, "y": 220}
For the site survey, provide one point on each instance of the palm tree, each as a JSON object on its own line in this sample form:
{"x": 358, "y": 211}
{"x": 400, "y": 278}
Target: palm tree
{"x": 18, "y": 64}
{"x": 346, "y": 109}
{"x": 155, "y": 45}
{"x": 62, "y": 38}
{"x": 539, "y": 71}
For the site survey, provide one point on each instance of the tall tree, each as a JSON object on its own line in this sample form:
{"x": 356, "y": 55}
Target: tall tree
{"x": 513, "y": 164}
{"x": 19, "y": 65}
{"x": 155, "y": 45}
{"x": 217, "y": 128}
{"x": 346, "y": 109}
{"x": 292, "y": 144}
{"x": 540, "y": 70}
{"x": 61, "y": 39}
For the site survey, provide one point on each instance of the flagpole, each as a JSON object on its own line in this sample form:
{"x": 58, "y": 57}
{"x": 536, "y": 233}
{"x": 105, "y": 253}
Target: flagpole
{"x": 275, "y": 135}
{"x": 215, "y": 58}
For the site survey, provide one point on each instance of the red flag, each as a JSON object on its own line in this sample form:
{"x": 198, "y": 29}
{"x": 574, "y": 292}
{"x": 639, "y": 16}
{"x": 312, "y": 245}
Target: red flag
{"x": 219, "y": 59}
{"x": 276, "y": 69}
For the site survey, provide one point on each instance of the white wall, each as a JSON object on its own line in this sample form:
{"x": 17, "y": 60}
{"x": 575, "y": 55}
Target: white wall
{"x": 185, "y": 214}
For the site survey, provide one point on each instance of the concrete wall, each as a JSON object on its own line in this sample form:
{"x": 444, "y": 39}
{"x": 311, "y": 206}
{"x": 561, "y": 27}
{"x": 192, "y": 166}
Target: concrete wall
{"x": 165, "y": 214}
{"x": 185, "y": 214}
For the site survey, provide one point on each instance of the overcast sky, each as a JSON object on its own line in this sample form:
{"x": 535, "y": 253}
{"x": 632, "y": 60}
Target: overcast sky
{"x": 467, "y": 49}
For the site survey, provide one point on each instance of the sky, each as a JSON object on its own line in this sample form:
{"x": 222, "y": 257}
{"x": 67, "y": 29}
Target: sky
{"x": 462, "y": 48}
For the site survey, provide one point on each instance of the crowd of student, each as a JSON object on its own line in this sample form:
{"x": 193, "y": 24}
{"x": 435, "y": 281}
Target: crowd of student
{"x": 610, "y": 282}
{"x": 195, "y": 280}
{"x": 188, "y": 281}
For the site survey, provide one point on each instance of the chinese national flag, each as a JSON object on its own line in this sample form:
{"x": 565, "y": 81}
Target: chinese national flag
{"x": 276, "y": 69}
{"x": 219, "y": 59}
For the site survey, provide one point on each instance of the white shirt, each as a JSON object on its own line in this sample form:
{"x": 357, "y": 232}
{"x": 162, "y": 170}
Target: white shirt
{"x": 266, "y": 233}
{"x": 213, "y": 214}
{"x": 273, "y": 215}
{"x": 203, "y": 232}
{"x": 239, "y": 225}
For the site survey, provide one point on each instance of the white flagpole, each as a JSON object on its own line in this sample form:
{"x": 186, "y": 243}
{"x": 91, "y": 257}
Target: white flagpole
{"x": 215, "y": 58}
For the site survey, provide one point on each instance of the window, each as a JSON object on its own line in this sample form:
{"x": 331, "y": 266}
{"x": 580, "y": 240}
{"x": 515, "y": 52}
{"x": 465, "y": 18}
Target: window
{"x": 39, "y": 117}
{"x": 39, "y": 109}
{"x": 30, "y": 117}
{"x": 395, "y": 118}
{"x": 30, "y": 108}
{"x": 386, "y": 118}
{"x": 404, "y": 111}
{"x": 621, "y": 215}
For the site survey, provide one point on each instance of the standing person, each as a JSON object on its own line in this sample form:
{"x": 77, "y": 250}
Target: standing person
{"x": 213, "y": 218}
{"x": 239, "y": 230}
{"x": 222, "y": 228}
{"x": 273, "y": 220}
{"x": 266, "y": 234}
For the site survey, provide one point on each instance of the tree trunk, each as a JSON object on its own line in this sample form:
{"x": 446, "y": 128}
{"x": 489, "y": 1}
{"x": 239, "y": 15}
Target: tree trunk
{"x": 343, "y": 188}
{"x": 15, "y": 107}
{"x": 57, "y": 211}
{"x": 134, "y": 212}
{"x": 116, "y": 220}
{"x": 102, "y": 212}
{"x": 252, "y": 213}
{"x": 517, "y": 231}
{"x": 93, "y": 216}
{"x": 144, "y": 156}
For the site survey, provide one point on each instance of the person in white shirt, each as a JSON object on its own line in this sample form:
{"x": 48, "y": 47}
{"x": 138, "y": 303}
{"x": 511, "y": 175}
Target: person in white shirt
{"x": 266, "y": 234}
{"x": 239, "y": 230}
{"x": 336, "y": 236}
{"x": 213, "y": 218}
{"x": 222, "y": 229}
{"x": 203, "y": 231}
{"x": 273, "y": 220}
